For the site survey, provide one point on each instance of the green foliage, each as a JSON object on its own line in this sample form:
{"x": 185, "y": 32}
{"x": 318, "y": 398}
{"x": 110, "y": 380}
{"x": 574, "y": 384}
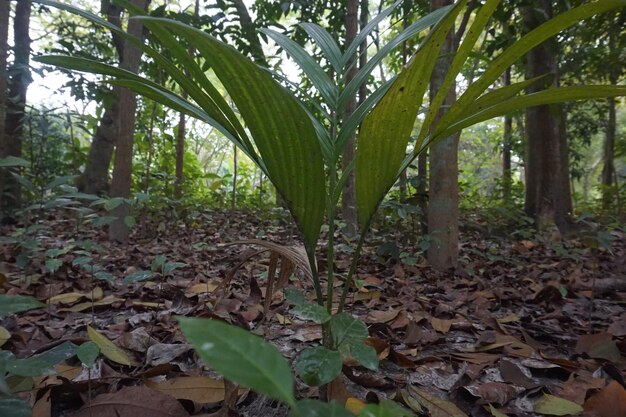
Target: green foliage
{"x": 299, "y": 152}
{"x": 11, "y": 304}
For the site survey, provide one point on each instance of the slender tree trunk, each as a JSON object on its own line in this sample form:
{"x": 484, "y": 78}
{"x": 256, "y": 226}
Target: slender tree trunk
{"x": 146, "y": 180}
{"x": 233, "y": 200}
{"x": 348, "y": 200}
{"x": 507, "y": 139}
{"x": 609, "y": 187}
{"x": 122, "y": 169}
{"x": 548, "y": 195}
{"x": 182, "y": 131}
{"x": 443, "y": 205}
{"x": 95, "y": 178}
{"x": 4, "y": 51}
{"x": 5, "y": 9}
{"x": 20, "y": 78}
{"x": 608, "y": 168}
{"x": 249, "y": 31}
{"x": 180, "y": 154}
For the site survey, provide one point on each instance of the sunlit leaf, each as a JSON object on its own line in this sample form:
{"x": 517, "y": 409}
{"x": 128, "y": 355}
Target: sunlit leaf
{"x": 108, "y": 348}
{"x": 241, "y": 357}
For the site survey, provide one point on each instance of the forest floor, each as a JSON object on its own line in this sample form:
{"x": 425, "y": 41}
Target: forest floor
{"x": 519, "y": 325}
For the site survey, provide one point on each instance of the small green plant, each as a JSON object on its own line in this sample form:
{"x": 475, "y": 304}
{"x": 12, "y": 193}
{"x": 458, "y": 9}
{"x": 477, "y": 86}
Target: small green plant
{"x": 299, "y": 151}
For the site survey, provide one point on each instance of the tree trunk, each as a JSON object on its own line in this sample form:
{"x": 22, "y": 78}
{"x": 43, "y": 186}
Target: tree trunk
{"x": 180, "y": 154}
{"x": 95, "y": 178}
{"x": 348, "y": 200}
{"x": 233, "y": 199}
{"x": 182, "y": 131}
{"x": 122, "y": 169}
{"x": 548, "y": 196}
{"x": 608, "y": 168}
{"x": 250, "y": 33}
{"x": 443, "y": 205}
{"x": 4, "y": 51}
{"x": 608, "y": 157}
{"x": 20, "y": 78}
{"x": 507, "y": 139}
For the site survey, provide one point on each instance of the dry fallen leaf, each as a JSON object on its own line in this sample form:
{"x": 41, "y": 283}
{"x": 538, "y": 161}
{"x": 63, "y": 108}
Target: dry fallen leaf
{"x": 436, "y": 406}
{"x": 133, "y": 402}
{"x": 609, "y": 402}
{"x": 199, "y": 389}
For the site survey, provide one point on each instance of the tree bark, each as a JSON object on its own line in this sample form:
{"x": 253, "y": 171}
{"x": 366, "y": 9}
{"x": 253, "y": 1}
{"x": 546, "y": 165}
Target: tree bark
{"x": 348, "y": 200}
{"x": 507, "y": 139}
{"x": 4, "y": 51}
{"x": 443, "y": 205}
{"x": 95, "y": 178}
{"x": 608, "y": 157}
{"x": 249, "y": 32}
{"x": 233, "y": 199}
{"x": 122, "y": 169}
{"x": 548, "y": 196}
{"x": 608, "y": 168}
{"x": 20, "y": 78}
{"x": 182, "y": 131}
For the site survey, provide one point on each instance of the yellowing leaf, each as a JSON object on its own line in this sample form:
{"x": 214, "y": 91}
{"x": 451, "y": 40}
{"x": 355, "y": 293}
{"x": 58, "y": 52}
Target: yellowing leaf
{"x": 4, "y": 335}
{"x": 495, "y": 412}
{"x": 555, "y": 406}
{"x": 67, "y": 298}
{"x": 108, "y": 348}
{"x": 354, "y": 405}
{"x": 203, "y": 287}
{"x": 106, "y": 301}
{"x": 199, "y": 389}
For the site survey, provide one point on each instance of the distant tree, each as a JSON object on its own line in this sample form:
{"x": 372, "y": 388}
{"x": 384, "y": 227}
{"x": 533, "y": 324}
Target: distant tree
{"x": 19, "y": 79}
{"x": 443, "y": 196}
{"x": 122, "y": 169}
{"x": 548, "y": 195}
{"x": 5, "y": 10}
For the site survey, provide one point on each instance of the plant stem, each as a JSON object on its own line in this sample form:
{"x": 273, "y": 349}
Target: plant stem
{"x": 316, "y": 278}
{"x": 331, "y": 239}
{"x": 349, "y": 280}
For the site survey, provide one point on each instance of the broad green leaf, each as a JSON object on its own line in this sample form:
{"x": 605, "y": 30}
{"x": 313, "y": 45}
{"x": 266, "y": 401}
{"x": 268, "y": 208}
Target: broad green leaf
{"x": 53, "y": 264}
{"x": 385, "y": 132}
{"x": 88, "y": 353}
{"x": 138, "y": 276}
{"x": 318, "y": 366}
{"x": 363, "y": 73}
{"x": 281, "y": 129}
{"x": 385, "y": 409}
{"x": 313, "y": 408}
{"x": 108, "y": 348}
{"x": 130, "y": 221}
{"x": 316, "y": 74}
{"x": 207, "y": 97}
{"x": 11, "y": 304}
{"x": 241, "y": 357}
{"x": 326, "y": 43}
{"x": 104, "y": 276}
{"x": 41, "y": 364}
{"x": 13, "y": 161}
{"x": 555, "y": 406}
{"x": 294, "y": 296}
{"x": 313, "y": 312}
{"x": 549, "y": 96}
{"x": 347, "y": 329}
{"x": 14, "y": 407}
{"x": 507, "y": 58}
{"x": 460, "y": 56}
{"x": 169, "y": 267}
{"x": 362, "y": 353}
{"x": 364, "y": 33}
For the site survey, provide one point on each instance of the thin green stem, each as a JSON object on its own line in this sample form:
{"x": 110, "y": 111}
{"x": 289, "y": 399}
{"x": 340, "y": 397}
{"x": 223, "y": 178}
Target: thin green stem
{"x": 316, "y": 278}
{"x": 349, "y": 279}
{"x": 331, "y": 212}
